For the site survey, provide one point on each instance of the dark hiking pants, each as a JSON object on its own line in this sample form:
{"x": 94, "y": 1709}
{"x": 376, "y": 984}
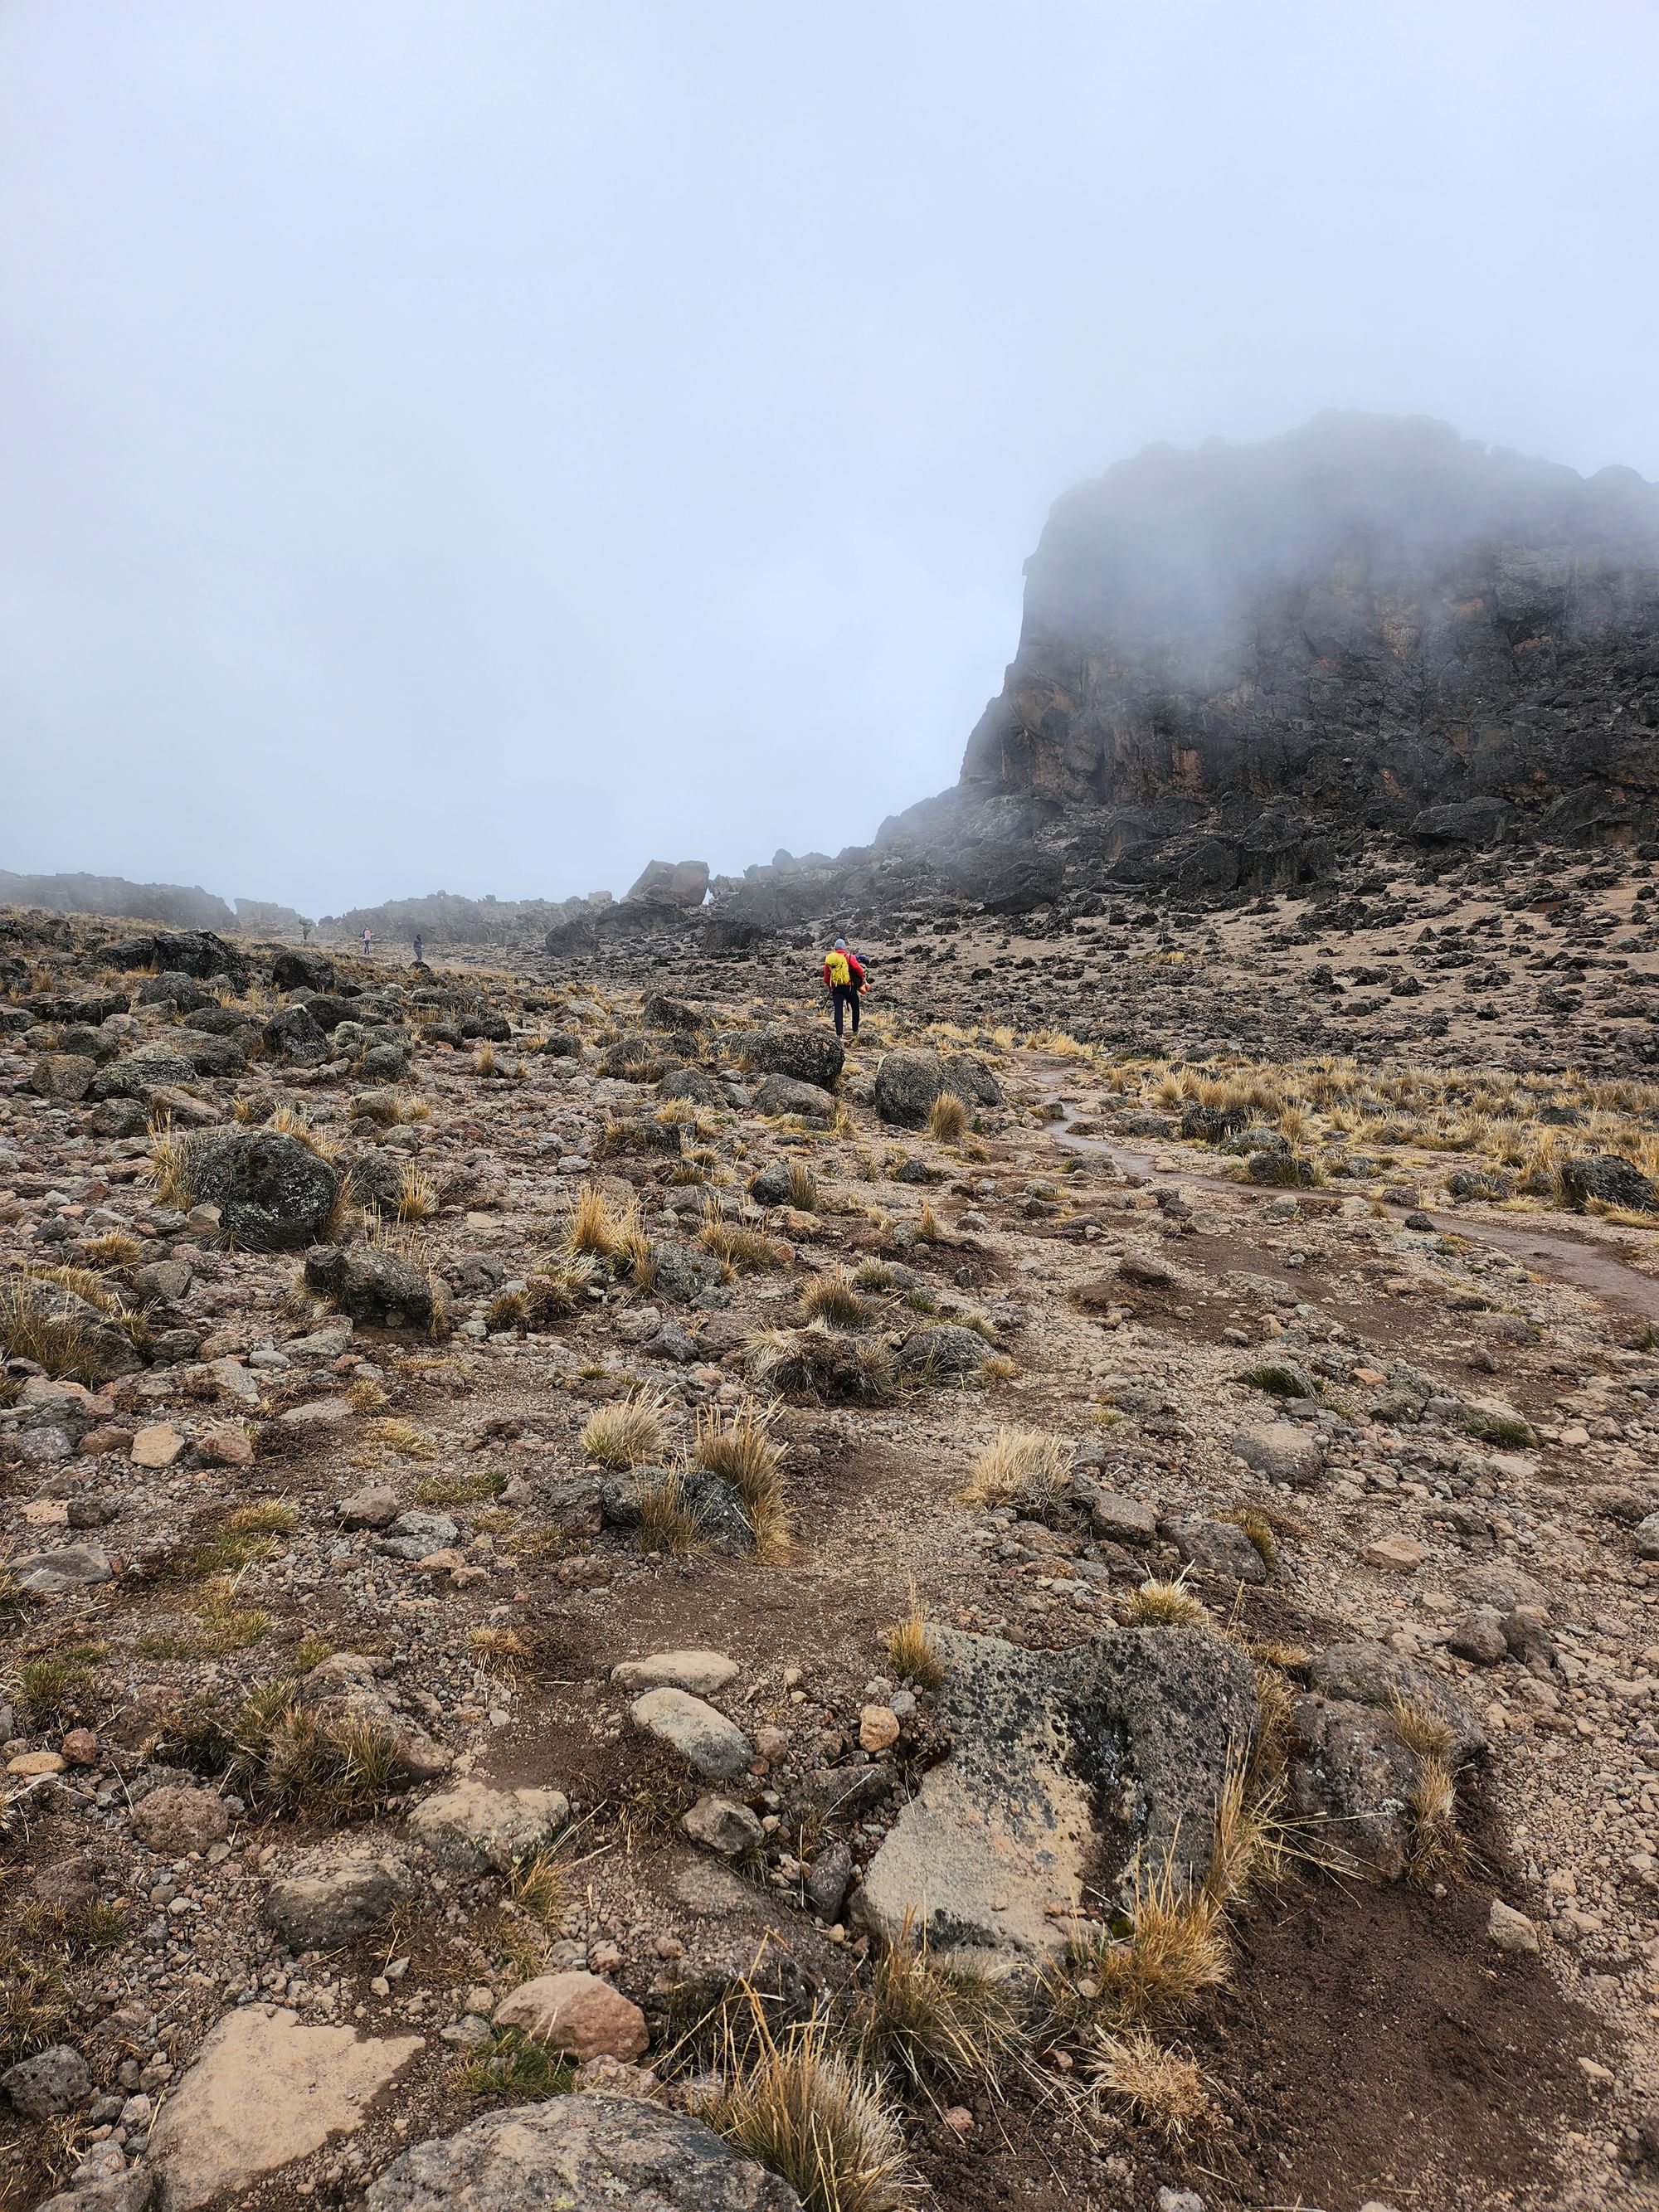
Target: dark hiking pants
{"x": 844, "y": 996}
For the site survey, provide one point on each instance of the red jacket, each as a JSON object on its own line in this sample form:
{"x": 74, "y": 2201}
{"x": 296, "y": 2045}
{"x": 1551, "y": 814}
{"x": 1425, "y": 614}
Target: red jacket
{"x": 855, "y": 969}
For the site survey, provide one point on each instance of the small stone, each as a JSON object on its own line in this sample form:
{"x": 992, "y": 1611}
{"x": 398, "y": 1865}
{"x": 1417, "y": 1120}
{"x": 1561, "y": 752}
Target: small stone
{"x": 372, "y": 1507}
{"x": 1400, "y": 1554}
{"x": 700, "y": 1673}
{"x": 55, "y": 2080}
{"x": 1510, "y": 1930}
{"x": 879, "y": 1728}
{"x": 724, "y": 1825}
{"x": 472, "y": 1828}
{"x": 713, "y": 1745}
{"x": 28, "y": 1763}
{"x": 577, "y": 2014}
{"x": 80, "y": 1747}
{"x": 224, "y": 1445}
{"x": 157, "y": 1446}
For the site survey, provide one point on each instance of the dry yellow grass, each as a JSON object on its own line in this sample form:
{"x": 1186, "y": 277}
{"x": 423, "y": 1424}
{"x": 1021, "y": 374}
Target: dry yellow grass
{"x": 1158, "y": 1604}
{"x": 1020, "y": 1464}
{"x": 807, "y": 2110}
{"x": 1163, "y": 2090}
{"x": 912, "y": 1653}
{"x": 628, "y": 1434}
{"x": 947, "y": 1119}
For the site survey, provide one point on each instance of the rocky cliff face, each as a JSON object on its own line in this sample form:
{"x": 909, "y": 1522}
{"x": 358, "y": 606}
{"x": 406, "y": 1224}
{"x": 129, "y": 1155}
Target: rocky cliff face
{"x": 1369, "y": 615}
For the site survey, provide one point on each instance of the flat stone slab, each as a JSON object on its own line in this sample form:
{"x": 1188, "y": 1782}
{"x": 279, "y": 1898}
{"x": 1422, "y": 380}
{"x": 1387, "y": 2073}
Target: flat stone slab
{"x": 263, "y": 2092}
{"x": 1067, "y": 1769}
{"x": 702, "y": 1672}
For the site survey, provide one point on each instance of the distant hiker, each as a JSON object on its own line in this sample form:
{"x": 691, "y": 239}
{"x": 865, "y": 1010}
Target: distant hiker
{"x": 420, "y": 956}
{"x": 368, "y": 939}
{"x": 843, "y": 978}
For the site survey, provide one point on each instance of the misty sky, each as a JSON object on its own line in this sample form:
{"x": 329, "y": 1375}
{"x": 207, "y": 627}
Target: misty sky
{"x": 484, "y": 445}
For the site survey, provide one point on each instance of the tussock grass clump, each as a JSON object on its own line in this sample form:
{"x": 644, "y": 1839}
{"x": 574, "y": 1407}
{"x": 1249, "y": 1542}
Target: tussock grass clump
{"x": 669, "y": 1521}
{"x": 742, "y": 1451}
{"x": 808, "y": 2112}
{"x": 34, "y": 2005}
{"x": 367, "y": 1396}
{"x": 1020, "y": 1464}
{"x": 404, "y": 1438}
{"x": 1277, "y": 1382}
{"x": 937, "y": 2017}
{"x": 60, "y": 1687}
{"x": 818, "y": 1363}
{"x": 1174, "y": 1953}
{"x": 469, "y": 1489}
{"x": 872, "y": 1275}
{"x": 911, "y": 1651}
{"x": 1258, "y": 1530}
{"x": 507, "y": 1650}
{"x": 628, "y": 1434}
{"x": 117, "y": 1250}
{"x": 947, "y": 1119}
{"x": 746, "y": 1251}
{"x": 417, "y": 1196}
{"x": 602, "y": 1230}
{"x": 42, "y": 1318}
{"x": 1436, "y": 1844}
{"x": 289, "y": 1757}
{"x": 1162, "y": 2089}
{"x": 1159, "y": 1604}
{"x": 803, "y": 1187}
{"x": 1509, "y": 1430}
{"x": 832, "y": 1298}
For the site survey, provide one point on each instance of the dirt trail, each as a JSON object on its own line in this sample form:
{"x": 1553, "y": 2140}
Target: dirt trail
{"x": 1578, "y": 1260}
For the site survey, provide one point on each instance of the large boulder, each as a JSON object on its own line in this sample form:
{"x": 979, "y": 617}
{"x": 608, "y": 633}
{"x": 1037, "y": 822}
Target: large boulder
{"x": 673, "y": 884}
{"x": 377, "y": 1287}
{"x": 1066, "y": 1770}
{"x": 302, "y": 968}
{"x": 783, "y": 1094}
{"x": 807, "y": 1055}
{"x": 580, "y": 2153}
{"x": 1611, "y": 1181}
{"x": 908, "y": 1081}
{"x": 274, "y": 1194}
{"x": 1373, "y": 1674}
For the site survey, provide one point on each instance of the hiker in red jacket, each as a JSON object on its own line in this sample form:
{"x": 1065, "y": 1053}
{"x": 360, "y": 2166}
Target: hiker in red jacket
{"x": 844, "y": 979}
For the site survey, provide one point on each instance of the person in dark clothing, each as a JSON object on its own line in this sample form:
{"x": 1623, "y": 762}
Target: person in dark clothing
{"x": 420, "y": 952}
{"x": 845, "y": 979}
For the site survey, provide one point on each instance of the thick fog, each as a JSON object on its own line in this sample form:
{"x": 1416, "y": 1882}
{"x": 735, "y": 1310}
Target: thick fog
{"x": 486, "y": 443}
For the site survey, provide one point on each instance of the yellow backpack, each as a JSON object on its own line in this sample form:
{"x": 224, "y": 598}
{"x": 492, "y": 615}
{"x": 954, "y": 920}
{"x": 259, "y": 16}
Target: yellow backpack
{"x": 836, "y": 969}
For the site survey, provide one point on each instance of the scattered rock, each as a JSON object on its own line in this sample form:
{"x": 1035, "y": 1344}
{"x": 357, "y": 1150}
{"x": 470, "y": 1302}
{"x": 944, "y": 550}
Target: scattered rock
{"x": 713, "y": 1745}
{"x": 472, "y": 1827}
{"x": 55, "y": 2080}
{"x": 593, "y": 2154}
{"x": 334, "y": 1894}
{"x": 263, "y": 2092}
{"x": 179, "y": 1818}
{"x": 580, "y": 2015}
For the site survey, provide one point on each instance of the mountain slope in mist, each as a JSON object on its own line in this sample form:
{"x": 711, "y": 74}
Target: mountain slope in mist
{"x": 1370, "y": 611}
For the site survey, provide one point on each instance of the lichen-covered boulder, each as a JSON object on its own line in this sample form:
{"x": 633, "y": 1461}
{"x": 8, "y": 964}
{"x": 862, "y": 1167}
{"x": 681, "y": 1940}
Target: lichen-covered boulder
{"x": 274, "y": 1194}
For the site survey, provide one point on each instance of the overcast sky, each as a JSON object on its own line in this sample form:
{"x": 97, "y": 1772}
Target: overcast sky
{"x": 484, "y": 446}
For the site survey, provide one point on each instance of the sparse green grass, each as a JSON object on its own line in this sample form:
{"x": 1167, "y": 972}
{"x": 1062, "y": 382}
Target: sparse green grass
{"x": 250, "y": 1534}
{"x": 59, "y": 1688}
{"x": 469, "y": 1489}
{"x": 512, "y": 2065}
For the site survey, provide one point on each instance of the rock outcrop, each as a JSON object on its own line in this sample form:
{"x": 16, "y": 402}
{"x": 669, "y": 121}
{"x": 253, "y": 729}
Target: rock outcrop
{"x": 1370, "y": 612}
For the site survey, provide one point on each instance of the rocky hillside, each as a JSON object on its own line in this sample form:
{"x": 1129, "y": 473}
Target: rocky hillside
{"x": 1368, "y": 613}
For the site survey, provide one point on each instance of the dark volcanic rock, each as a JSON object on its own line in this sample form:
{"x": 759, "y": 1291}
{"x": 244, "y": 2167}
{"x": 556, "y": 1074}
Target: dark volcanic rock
{"x": 274, "y": 1194}
{"x": 1370, "y": 614}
